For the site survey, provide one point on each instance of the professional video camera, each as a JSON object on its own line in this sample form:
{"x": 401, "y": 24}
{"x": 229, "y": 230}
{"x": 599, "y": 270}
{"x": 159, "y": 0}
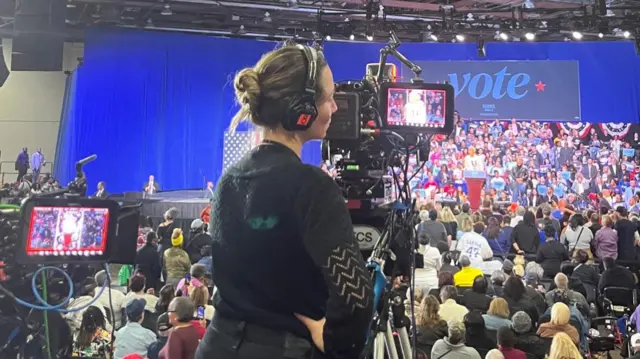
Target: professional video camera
{"x": 381, "y": 122}
{"x": 49, "y": 246}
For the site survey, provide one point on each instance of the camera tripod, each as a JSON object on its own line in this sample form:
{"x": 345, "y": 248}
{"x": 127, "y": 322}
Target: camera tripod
{"x": 392, "y": 313}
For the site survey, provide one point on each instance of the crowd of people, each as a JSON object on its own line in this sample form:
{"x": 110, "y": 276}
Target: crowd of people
{"x": 530, "y": 163}
{"x": 544, "y": 302}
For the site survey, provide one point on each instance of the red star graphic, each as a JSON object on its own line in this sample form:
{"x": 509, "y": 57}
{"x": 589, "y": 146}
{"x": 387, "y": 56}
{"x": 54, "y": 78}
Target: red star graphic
{"x": 540, "y": 86}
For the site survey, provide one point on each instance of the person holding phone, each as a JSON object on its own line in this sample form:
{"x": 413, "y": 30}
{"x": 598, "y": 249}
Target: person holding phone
{"x": 273, "y": 215}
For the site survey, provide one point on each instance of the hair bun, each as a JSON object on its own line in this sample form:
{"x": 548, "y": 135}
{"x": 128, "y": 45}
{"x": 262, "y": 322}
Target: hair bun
{"x": 247, "y": 87}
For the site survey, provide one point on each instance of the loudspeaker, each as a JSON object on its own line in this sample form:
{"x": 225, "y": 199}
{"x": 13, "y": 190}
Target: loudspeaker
{"x": 39, "y": 42}
{"x": 4, "y": 71}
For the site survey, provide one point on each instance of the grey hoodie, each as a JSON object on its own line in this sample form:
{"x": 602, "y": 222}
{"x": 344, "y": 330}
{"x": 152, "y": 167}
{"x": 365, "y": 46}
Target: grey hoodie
{"x": 442, "y": 349}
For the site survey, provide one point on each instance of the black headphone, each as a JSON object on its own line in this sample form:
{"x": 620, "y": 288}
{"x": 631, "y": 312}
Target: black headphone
{"x": 302, "y": 109}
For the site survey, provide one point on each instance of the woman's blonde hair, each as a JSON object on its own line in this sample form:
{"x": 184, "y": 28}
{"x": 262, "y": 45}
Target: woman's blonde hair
{"x": 466, "y": 225}
{"x": 200, "y": 296}
{"x": 446, "y": 215}
{"x": 477, "y": 217}
{"x": 499, "y": 308}
{"x": 560, "y": 314}
{"x": 266, "y": 91}
{"x": 428, "y": 313}
{"x": 607, "y": 221}
{"x": 562, "y": 347}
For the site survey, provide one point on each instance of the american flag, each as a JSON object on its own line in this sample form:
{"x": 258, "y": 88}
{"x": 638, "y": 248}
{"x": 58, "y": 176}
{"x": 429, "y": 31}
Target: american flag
{"x": 236, "y": 144}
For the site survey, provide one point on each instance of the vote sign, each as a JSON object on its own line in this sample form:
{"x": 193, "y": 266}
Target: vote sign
{"x": 525, "y": 90}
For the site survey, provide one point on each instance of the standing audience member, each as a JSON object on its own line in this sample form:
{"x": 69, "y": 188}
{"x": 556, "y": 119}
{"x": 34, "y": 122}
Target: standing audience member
{"x": 551, "y": 253}
{"x": 148, "y": 262}
{"x": 166, "y": 229}
{"x": 426, "y": 278}
{"x": 183, "y": 339}
{"x": 450, "y": 224}
{"x": 499, "y": 244}
{"x": 198, "y": 240}
{"x": 506, "y": 344}
{"x": 452, "y": 346}
{"x": 163, "y": 326}
{"x": 576, "y": 236}
{"x": 434, "y": 229}
{"x": 92, "y": 340}
{"x": 627, "y": 235}
{"x": 525, "y": 237}
{"x": 176, "y": 260}
{"x": 607, "y": 239}
{"x": 133, "y": 338}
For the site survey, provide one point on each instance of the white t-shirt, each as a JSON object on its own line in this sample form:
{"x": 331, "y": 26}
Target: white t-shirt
{"x": 474, "y": 163}
{"x": 474, "y": 246}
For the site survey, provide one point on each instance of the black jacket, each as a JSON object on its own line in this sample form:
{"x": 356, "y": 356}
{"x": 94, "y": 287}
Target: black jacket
{"x": 476, "y": 301}
{"x": 427, "y": 336}
{"x": 148, "y": 263}
{"x": 550, "y": 256}
{"x": 616, "y": 277}
{"x": 586, "y": 274}
{"x": 532, "y": 344}
{"x": 198, "y": 240}
{"x": 527, "y": 237}
{"x": 537, "y": 298}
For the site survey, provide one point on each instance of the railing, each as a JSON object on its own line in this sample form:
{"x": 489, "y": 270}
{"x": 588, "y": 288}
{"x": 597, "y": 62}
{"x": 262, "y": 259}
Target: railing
{"x": 9, "y": 175}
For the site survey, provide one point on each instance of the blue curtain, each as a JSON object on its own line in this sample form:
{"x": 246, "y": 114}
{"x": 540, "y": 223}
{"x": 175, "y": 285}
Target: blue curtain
{"x": 159, "y": 103}
{"x": 64, "y": 169}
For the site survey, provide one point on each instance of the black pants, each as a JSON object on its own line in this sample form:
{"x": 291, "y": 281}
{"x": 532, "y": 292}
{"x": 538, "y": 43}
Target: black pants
{"x": 229, "y": 339}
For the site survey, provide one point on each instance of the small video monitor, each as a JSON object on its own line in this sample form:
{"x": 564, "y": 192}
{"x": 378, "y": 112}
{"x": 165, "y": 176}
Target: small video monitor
{"x": 66, "y": 233}
{"x": 417, "y": 107}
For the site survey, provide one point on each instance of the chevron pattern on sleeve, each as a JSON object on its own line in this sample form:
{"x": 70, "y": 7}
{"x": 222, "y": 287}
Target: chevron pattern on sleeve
{"x": 347, "y": 272}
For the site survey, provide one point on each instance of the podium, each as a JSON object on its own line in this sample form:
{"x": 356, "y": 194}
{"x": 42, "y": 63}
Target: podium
{"x": 475, "y": 182}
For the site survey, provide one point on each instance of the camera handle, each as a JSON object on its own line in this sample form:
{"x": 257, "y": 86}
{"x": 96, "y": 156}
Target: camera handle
{"x": 392, "y": 49}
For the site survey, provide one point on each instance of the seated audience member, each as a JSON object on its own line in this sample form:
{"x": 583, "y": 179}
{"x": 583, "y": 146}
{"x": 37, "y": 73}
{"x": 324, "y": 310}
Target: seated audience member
{"x": 200, "y": 298}
{"x": 576, "y": 318}
{"x": 615, "y": 276}
{"x": 514, "y": 294}
{"x": 634, "y": 342}
{"x": 574, "y": 283}
{"x": 206, "y": 259}
{"x": 430, "y": 326}
{"x": 477, "y": 298}
{"x": 507, "y": 342}
{"x": 551, "y": 253}
{"x": 467, "y": 274}
{"x": 447, "y": 263}
{"x": 559, "y": 323}
{"x": 449, "y": 309}
{"x": 498, "y": 315}
{"x": 497, "y": 283}
{"x": 163, "y": 328}
{"x": 494, "y": 354}
{"x": 607, "y": 239}
{"x": 477, "y": 336}
{"x": 507, "y": 267}
{"x": 133, "y": 338}
{"x": 526, "y": 338}
{"x": 562, "y": 347}
{"x": 166, "y": 295}
{"x": 136, "y": 290}
{"x": 198, "y": 274}
{"x": 92, "y": 340}
{"x": 184, "y": 337}
{"x": 114, "y": 300}
{"x": 532, "y": 292}
{"x": 562, "y": 284}
{"x": 444, "y": 279}
{"x": 586, "y": 274}
{"x": 452, "y": 346}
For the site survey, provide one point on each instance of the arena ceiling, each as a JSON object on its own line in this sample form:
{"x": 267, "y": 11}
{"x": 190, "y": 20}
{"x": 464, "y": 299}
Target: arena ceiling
{"x": 362, "y": 20}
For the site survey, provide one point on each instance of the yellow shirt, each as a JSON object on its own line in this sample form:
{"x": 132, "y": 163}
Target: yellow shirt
{"x": 466, "y": 276}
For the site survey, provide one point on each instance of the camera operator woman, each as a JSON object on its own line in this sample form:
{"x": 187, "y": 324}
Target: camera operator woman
{"x": 290, "y": 279}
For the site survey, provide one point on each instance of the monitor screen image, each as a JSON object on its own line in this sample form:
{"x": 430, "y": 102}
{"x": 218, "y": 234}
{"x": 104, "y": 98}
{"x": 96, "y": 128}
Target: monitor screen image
{"x": 67, "y": 231}
{"x": 416, "y": 107}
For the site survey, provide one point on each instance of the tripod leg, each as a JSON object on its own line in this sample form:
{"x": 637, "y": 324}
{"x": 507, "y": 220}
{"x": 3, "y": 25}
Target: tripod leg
{"x": 405, "y": 345}
{"x": 378, "y": 346}
{"x": 390, "y": 342}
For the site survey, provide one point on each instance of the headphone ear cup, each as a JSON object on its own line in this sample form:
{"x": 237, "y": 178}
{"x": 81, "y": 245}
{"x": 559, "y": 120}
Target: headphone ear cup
{"x": 302, "y": 113}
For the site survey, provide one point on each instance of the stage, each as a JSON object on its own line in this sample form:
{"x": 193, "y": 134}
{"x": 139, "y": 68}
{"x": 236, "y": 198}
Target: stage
{"x": 189, "y": 203}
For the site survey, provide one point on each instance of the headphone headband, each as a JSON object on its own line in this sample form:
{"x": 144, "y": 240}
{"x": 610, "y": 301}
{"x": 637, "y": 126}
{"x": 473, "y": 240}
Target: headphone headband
{"x": 311, "y": 56}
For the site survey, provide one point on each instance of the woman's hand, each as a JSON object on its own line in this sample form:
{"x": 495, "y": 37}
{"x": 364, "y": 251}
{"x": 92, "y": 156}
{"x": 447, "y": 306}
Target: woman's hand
{"x": 316, "y": 328}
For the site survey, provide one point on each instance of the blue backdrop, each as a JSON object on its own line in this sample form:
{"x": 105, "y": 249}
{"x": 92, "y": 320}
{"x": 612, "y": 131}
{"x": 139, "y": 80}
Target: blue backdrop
{"x": 159, "y": 103}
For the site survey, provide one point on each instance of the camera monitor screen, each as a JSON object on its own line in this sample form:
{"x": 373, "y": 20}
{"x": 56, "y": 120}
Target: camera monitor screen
{"x": 67, "y": 231}
{"x": 419, "y": 107}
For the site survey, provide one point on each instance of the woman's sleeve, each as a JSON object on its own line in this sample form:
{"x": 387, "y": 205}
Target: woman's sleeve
{"x": 325, "y": 225}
